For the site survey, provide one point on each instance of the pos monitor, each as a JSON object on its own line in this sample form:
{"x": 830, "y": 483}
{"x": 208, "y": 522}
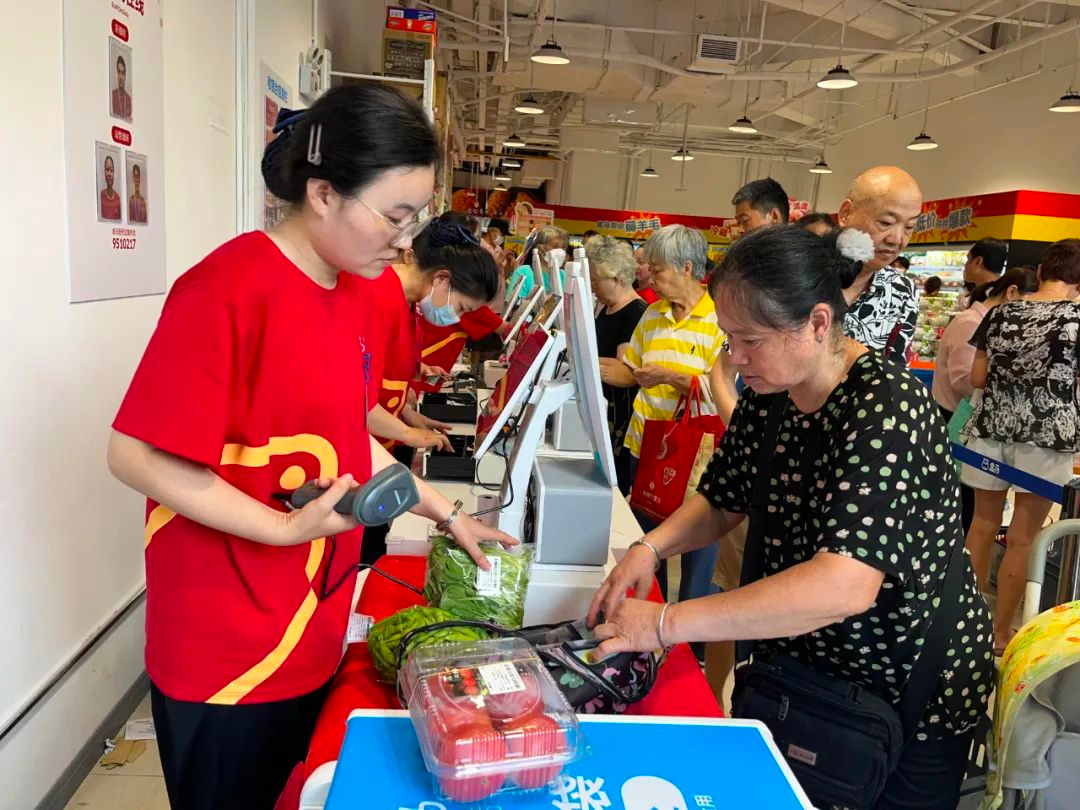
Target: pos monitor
{"x": 522, "y": 313}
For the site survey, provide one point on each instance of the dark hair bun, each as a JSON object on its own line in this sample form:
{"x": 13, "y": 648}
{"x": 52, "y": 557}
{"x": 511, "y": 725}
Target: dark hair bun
{"x": 443, "y": 234}
{"x": 366, "y": 129}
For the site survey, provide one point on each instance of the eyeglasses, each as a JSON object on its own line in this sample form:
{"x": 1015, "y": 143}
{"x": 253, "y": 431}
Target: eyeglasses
{"x": 406, "y": 231}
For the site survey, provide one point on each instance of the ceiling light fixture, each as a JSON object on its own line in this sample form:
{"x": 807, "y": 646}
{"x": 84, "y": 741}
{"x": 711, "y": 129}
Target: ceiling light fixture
{"x": 683, "y": 155}
{"x": 501, "y": 176}
{"x": 839, "y": 78}
{"x": 550, "y": 53}
{"x": 821, "y": 167}
{"x": 922, "y": 142}
{"x": 500, "y": 187}
{"x": 514, "y": 142}
{"x": 744, "y": 126}
{"x": 650, "y": 171}
{"x": 1068, "y": 103}
{"x": 511, "y": 163}
{"x": 529, "y": 106}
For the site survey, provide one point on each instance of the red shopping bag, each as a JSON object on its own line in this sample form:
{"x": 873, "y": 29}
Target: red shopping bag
{"x": 669, "y": 453}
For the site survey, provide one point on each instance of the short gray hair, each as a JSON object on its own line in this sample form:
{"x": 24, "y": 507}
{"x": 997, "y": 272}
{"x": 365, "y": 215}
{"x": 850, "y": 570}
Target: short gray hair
{"x": 611, "y": 258}
{"x": 546, "y": 234}
{"x": 676, "y": 245}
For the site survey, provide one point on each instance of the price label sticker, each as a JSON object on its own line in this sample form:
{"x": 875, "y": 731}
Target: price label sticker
{"x": 489, "y": 583}
{"x": 359, "y": 627}
{"x": 501, "y": 679}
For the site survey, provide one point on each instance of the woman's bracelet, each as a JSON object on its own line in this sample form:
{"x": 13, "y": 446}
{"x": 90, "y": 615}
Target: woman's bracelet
{"x": 651, "y": 548}
{"x": 660, "y": 627}
{"x": 442, "y": 527}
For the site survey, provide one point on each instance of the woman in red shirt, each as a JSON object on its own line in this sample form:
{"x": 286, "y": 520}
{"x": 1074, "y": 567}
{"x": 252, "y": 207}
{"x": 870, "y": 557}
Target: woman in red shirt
{"x": 248, "y": 388}
{"x": 446, "y": 274}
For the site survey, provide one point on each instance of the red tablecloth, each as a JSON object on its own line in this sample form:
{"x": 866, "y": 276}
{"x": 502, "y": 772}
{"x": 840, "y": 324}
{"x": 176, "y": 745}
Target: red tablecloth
{"x": 680, "y": 690}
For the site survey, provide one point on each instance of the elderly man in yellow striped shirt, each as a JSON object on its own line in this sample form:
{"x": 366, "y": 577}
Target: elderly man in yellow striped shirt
{"x": 676, "y": 340}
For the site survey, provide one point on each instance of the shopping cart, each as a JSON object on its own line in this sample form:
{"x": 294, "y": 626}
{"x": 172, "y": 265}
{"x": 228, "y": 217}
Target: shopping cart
{"x": 1033, "y": 748}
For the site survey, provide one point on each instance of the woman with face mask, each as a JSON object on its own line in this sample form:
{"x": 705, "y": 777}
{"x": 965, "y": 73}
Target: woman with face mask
{"x": 552, "y": 244}
{"x": 252, "y": 383}
{"x": 444, "y": 275}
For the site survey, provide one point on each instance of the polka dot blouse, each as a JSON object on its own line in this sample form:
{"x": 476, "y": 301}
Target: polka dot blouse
{"x": 868, "y": 476}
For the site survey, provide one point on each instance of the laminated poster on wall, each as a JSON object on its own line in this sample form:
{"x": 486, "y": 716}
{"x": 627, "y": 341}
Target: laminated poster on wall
{"x": 276, "y": 94}
{"x": 114, "y": 146}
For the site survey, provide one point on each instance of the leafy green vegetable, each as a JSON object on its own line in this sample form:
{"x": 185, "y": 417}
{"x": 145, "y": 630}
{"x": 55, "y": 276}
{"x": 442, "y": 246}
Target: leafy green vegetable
{"x": 385, "y": 636}
{"x": 455, "y": 583}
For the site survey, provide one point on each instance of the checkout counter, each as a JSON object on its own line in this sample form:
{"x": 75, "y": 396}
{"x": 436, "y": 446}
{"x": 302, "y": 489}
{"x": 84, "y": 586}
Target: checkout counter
{"x": 556, "y": 499}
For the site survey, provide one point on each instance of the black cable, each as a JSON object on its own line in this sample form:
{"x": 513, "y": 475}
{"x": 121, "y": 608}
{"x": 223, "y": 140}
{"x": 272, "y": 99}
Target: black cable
{"x": 328, "y": 592}
{"x": 509, "y": 484}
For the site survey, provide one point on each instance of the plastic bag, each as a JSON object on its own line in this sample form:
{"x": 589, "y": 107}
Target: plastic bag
{"x": 458, "y": 585}
{"x": 386, "y": 636}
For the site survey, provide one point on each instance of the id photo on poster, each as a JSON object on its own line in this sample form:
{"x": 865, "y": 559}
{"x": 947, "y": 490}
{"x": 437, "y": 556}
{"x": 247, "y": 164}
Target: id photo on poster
{"x": 110, "y": 204}
{"x": 137, "y": 213}
{"x": 120, "y": 80}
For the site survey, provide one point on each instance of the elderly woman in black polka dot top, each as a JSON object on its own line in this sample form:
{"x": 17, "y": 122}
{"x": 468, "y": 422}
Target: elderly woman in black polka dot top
{"x": 862, "y": 510}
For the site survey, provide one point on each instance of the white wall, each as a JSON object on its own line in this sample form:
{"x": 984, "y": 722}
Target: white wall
{"x": 1001, "y": 140}
{"x": 594, "y": 179}
{"x": 72, "y": 536}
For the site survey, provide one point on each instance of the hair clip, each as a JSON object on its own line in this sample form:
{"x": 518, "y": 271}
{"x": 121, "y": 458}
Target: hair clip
{"x": 314, "y": 155}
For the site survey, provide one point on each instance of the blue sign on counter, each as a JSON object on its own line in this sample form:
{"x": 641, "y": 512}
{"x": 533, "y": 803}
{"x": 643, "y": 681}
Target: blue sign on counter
{"x": 634, "y": 763}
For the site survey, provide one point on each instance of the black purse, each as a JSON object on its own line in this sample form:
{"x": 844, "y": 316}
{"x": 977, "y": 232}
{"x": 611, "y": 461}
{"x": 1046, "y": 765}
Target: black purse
{"x": 608, "y": 687}
{"x": 841, "y": 740}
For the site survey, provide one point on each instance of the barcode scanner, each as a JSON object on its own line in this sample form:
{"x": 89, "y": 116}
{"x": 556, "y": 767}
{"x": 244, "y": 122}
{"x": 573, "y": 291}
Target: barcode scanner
{"x": 386, "y": 495}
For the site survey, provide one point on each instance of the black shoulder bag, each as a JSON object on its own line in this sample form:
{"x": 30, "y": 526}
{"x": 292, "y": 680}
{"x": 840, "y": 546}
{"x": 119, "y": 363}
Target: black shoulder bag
{"x": 841, "y": 741}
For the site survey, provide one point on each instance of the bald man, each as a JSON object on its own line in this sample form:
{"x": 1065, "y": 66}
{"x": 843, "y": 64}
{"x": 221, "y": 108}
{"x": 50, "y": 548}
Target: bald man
{"x": 884, "y": 202}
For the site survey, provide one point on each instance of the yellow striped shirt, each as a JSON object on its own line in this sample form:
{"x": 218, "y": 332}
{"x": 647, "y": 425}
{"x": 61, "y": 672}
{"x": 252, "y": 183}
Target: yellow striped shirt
{"x": 690, "y": 346}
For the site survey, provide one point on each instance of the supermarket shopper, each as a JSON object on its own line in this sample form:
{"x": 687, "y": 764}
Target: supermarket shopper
{"x": 548, "y": 238}
{"x": 643, "y": 278}
{"x": 761, "y": 203}
{"x": 985, "y": 262}
{"x": 818, "y": 223}
{"x": 883, "y": 306}
{"x": 445, "y": 274}
{"x": 955, "y": 355}
{"x": 858, "y": 512}
{"x": 676, "y": 339}
{"x": 249, "y": 386}
{"x": 611, "y": 271}
{"x": 1027, "y": 362}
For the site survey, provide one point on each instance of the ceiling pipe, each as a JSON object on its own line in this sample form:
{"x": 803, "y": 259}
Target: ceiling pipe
{"x": 448, "y": 13}
{"x": 940, "y": 12}
{"x": 949, "y": 31}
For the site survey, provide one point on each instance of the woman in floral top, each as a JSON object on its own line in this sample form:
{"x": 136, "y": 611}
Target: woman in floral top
{"x": 1027, "y": 362}
{"x": 862, "y": 511}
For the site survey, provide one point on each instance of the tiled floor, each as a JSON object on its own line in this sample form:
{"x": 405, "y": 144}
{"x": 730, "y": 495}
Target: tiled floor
{"x": 137, "y": 785}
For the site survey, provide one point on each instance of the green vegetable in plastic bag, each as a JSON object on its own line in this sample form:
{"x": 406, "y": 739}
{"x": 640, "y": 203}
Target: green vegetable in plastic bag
{"x": 455, "y": 583}
{"x": 385, "y": 636}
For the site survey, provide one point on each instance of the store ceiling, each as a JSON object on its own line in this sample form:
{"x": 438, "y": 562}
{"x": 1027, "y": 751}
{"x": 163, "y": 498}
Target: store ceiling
{"x": 632, "y": 84}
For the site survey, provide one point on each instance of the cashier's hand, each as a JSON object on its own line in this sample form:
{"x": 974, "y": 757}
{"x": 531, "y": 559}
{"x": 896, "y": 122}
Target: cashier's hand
{"x": 318, "y": 518}
{"x": 635, "y": 572}
{"x": 469, "y": 533}
{"x": 413, "y": 418}
{"x": 631, "y": 628}
{"x": 422, "y": 439}
{"x": 433, "y": 371}
{"x": 651, "y": 375}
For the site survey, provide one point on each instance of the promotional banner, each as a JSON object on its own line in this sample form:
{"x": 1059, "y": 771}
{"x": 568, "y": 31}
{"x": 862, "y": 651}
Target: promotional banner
{"x": 1036, "y": 216}
{"x": 114, "y": 148}
{"x": 639, "y": 225}
{"x": 276, "y": 94}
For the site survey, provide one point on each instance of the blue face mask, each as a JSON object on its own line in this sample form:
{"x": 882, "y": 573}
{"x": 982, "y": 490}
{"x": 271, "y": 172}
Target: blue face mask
{"x": 445, "y": 315}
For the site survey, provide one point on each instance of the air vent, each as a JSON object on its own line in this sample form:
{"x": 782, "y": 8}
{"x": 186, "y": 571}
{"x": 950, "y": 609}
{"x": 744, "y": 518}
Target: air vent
{"x": 715, "y": 54}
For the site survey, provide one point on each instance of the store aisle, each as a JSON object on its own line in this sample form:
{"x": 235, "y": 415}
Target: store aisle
{"x": 137, "y": 785}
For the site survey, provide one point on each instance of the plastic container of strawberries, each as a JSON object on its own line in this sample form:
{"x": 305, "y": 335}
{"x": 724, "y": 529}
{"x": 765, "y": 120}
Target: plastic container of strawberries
{"x": 489, "y": 718}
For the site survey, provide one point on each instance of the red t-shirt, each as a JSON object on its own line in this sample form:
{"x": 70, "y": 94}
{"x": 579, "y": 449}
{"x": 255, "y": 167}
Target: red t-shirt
{"x": 250, "y": 372}
{"x": 441, "y": 346}
{"x": 395, "y": 352}
{"x": 649, "y": 295}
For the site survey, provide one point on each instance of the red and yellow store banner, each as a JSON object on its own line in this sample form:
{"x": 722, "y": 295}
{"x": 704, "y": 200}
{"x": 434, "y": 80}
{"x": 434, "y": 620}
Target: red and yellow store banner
{"x": 1036, "y": 216}
{"x": 638, "y": 225}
